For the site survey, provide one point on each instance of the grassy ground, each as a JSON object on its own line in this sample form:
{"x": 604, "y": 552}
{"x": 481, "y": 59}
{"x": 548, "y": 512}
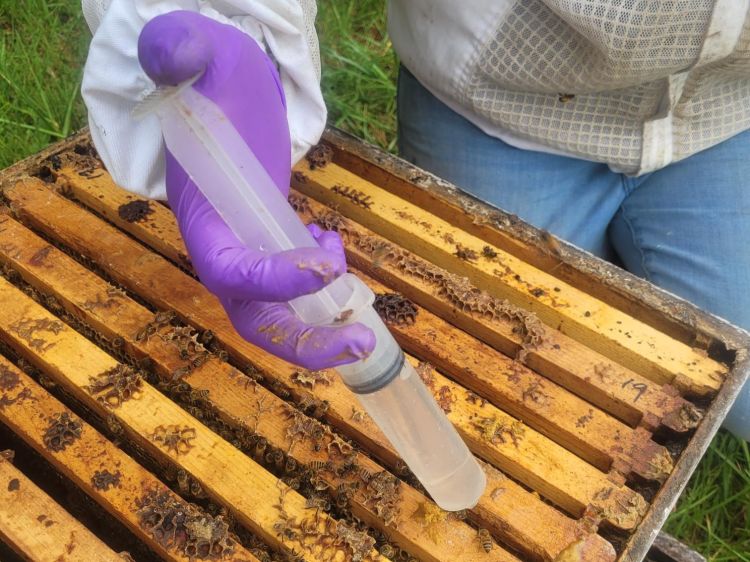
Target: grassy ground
{"x": 40, "y": 69}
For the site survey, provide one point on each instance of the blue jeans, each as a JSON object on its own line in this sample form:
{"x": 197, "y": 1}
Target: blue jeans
{"x": 685, "y": 228}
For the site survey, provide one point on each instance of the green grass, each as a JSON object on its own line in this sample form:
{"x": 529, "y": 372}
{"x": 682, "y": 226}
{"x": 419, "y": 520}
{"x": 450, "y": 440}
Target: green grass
{"x": 42, "y": 46}
{"x": 359, "y": 69}
{"x": 712, "y": 514}
{"x": 40, "y": 69}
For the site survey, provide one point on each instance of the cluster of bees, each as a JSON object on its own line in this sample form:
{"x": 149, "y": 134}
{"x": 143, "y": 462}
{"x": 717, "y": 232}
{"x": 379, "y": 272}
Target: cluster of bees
{"x": 309, "y": 378}
{"x": 356, "y": 196}
{"x": 324, "y": 535}
{"x": 492, "y": 430}
{"x": 319, "y": 156}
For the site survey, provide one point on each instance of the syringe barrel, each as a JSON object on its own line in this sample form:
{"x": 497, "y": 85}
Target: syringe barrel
{"x": 404, "y": 409}
{"x": 236, "y": 184}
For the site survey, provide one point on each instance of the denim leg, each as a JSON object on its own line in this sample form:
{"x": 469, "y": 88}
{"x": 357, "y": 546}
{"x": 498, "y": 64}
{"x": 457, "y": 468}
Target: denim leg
{"x": 571, "y": 198}
{"x": 686, "y": 228}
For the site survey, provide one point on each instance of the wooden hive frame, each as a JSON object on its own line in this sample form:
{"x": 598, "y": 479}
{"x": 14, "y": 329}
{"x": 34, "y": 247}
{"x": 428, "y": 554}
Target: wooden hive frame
{"x": 589, "y": 414}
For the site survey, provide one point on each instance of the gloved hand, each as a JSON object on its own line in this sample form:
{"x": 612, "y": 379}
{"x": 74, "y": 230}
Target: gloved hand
{"x": 252, "y": 286}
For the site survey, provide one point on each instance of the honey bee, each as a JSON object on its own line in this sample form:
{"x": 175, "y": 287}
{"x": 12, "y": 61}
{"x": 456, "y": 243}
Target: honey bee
{"x": 114, "y": 426}
{"x": 290, "y": 466}
{"x": 365, "y": 475}
{"x": 464, "y": 253}
{"x": 317, "y": 503}
{"x": 182, "y": 482}
{"x": 388, "y": 551}
{"x": 342, "y": 501}
{"x": 485, "y": 540}
{"x": 197, "y": 490}
{"x": 319, "y": 484}
{"x": 260, "y": 447}
{"x": 293, "y": 483}
{"x": 551, "y": 244}
{"x": 565, "y": 98}
{"x": 278, "y": 458}
{"x": 401, "y": 468}
{"x": 285, "y": 531}
{"x": 488, "y": 252}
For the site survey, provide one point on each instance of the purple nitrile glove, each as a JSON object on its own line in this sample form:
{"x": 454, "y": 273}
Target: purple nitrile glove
{"x": 252, "y": 286}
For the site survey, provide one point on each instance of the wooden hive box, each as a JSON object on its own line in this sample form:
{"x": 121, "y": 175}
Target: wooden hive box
{"x": 142, "y": 422}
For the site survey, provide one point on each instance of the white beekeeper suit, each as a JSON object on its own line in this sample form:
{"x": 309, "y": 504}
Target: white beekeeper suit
{"x": 655, "y": 81}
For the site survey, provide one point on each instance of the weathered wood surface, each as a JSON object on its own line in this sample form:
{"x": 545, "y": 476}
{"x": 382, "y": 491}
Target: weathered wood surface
{"x": 560, "y": 305}
{"x": 101, "y": 470}
{"x": 668, "y": 549}
{"x": 38, "y": 528}
{"x": 622, "y": 392}
{"x": 237, "y": 399}
{"x": 165, "y": 431}
{"x": 538, "y": 462}
{"x": 611, "y": 285}
{"x": 543, "y": 405}
{"x": 130, "y": 265}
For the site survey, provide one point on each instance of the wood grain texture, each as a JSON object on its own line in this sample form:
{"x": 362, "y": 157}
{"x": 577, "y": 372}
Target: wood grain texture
{"x": 570, "y": 483}
{"x": 131, "y": 265}
{"x": 161, "y": 428}
{"x": 38, "y": 528}
{"x": 607, "y": 330}
{"x": 237, "y": 399}
{"x": 620, "y": 391}
{"x": 546, "y": 407}
{"x": 100, "y": 469}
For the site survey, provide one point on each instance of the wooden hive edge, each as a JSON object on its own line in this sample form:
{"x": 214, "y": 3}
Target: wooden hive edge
{"x": 662, "y": 505}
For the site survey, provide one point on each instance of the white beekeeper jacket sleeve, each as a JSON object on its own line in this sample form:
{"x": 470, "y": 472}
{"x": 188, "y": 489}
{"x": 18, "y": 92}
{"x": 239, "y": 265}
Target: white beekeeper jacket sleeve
{"x": 114, "y": 83}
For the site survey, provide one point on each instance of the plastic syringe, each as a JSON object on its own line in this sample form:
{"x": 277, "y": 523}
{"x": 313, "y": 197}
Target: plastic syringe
{"x": 229, "y": 175}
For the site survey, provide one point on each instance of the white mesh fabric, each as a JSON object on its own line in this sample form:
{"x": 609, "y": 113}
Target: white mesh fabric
{"x": 309, "y": 12}
{"x": 93, "y": 12}
{"x": 568, "y": 46}
{"x": 716, "y": 101}
{"x": 617, "y": 57}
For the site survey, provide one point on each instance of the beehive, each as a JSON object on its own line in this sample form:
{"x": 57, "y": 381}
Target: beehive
{"x": 588, "y": 395}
